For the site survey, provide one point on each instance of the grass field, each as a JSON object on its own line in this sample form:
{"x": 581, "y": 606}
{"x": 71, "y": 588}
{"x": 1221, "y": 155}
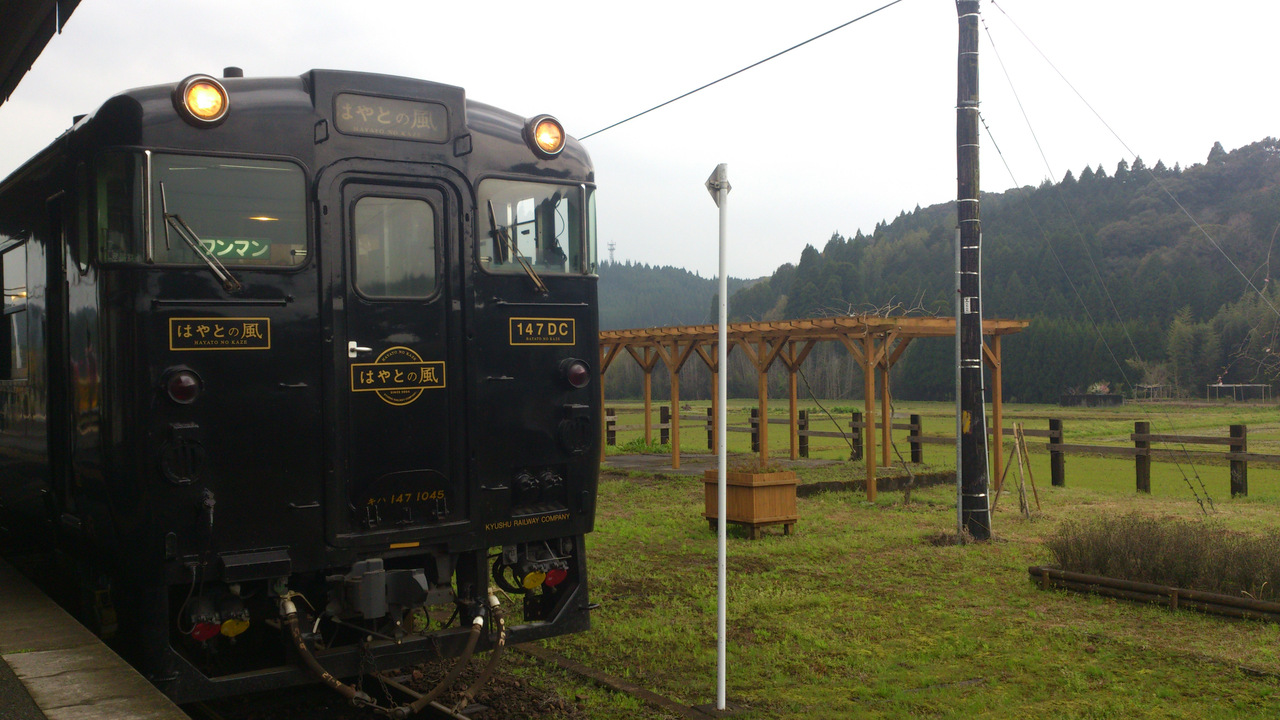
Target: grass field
{"x": 859, "y": 614}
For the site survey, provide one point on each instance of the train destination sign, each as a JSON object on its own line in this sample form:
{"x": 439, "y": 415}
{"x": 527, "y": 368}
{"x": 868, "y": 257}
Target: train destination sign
{"x": 543, "y": 331}
{"x": 188, "y": 333}
{"x": 383, "y": 117}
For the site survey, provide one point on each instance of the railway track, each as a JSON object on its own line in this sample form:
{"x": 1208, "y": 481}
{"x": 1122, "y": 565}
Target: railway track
{"x": 505, "y": 697}
{"x": 316, "y": 702}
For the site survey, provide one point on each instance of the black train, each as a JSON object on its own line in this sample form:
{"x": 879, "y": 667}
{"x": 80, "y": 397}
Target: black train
{"x": 289, "y": 367}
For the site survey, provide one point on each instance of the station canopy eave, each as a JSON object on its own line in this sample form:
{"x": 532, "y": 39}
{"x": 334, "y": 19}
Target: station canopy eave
{"x": 26, "y": 26}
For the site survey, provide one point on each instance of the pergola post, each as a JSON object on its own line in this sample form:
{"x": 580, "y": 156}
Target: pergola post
{"x": 794, "y": 414}
{"x": 886, "y": 415}
{"x": 869, "y": 401}
{"x": 675, "y": 418}
{"x": 793, "y": 360}
{"x": 646, "y": 364}
{"x": 675, "y": 358}
{"x": 762, "y": 391}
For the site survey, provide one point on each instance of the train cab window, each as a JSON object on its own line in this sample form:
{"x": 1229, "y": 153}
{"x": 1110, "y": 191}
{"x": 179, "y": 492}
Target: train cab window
{"x": 394, "y": 242}
{"x": 13, "y": 322}
{"x": 535, "y": 224}
{"x": 243, "y": 212}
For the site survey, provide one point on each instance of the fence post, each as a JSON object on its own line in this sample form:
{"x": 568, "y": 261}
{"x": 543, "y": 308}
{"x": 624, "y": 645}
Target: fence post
{"x": 611, "y": 426}
{"x": 755, "y": 430}
{"x": 664, "y": 425}
{"x": 1057, "y": 458}
{"x": 1239, "y": 468}
{"x": 855, "y": 453}
{"x": 917, "y": 447}
{"x": 1142, "y": 461}
{"x": 803, "y": 422}
{"x": 711, "y": 429}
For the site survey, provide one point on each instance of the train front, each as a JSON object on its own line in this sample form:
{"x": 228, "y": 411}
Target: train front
{"x": 364, "y": 419}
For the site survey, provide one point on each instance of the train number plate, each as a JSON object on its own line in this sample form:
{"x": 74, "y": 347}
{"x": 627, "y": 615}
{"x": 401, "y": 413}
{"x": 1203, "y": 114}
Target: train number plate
{"x": 543, "y": 331}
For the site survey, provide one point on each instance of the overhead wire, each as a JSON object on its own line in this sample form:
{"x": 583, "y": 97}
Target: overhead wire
{"x": 1150, "y": 172}
{"x": 1102, "y": 337}
{"x": 1049, "y": 245}
{"x": 741, "y": 70}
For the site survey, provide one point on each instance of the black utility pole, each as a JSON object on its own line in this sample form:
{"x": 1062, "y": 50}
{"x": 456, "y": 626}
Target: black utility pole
{"x": 971, "y": 453}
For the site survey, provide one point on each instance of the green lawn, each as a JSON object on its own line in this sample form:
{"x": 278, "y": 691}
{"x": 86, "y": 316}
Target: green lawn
{"x": 859, "y": 614}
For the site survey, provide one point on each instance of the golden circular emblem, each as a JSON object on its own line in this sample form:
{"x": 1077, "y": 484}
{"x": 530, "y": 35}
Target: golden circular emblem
{"x": 403, "y": 358}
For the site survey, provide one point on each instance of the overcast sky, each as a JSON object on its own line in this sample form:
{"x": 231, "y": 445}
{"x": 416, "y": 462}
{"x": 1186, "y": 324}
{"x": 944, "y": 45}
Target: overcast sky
{"x": 833, "y": 137}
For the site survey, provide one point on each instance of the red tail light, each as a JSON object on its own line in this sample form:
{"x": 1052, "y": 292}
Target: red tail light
{"x": 182, "y": 386}
{"x": 576, "y": 373}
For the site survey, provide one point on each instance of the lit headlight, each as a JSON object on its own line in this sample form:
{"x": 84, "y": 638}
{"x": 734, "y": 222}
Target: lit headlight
{"x": 201, "y": 101}
{"x": 545, "y": 135}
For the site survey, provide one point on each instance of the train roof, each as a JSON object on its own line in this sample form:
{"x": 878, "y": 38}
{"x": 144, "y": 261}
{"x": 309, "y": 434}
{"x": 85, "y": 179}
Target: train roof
{"x": 482, "y": 137}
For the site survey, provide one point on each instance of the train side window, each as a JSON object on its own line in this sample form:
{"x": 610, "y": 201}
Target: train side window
{"x": 13, "y": 326}
{"x": 394, "y": 243}
{"x": 118, "y": 207}
{"x": 536, "y": 223}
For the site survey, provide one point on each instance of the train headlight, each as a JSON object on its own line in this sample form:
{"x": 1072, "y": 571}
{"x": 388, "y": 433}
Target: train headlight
{"x": 182, "y": 386}
{"x": 201, "y": 101}
{"x": 575, "y": 372}
{"x": 545, "y": 135}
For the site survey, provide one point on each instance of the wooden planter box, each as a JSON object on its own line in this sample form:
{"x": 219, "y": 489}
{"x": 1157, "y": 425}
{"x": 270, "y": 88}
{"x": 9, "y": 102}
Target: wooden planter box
{"x": 753, "y": 499}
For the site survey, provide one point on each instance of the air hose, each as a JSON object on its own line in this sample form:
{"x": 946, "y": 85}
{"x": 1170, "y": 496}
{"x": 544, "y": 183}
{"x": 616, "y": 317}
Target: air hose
{"x": 498, "y": 617}
{"x": 417, "y": 705}
{"x": 289, "y": 613}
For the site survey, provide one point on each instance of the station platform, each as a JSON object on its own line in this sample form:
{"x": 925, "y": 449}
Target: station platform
{"x": 52, "y": 667}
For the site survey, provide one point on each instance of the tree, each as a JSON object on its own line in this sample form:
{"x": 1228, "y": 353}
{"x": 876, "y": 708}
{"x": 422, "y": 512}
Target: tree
{"x": 1195, "y": 353}
{"x": 1122, "y": 170}
{"x": 1217, "y": 154}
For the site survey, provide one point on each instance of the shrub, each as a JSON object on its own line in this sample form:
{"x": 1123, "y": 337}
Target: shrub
{"x": 1171, "y": 551}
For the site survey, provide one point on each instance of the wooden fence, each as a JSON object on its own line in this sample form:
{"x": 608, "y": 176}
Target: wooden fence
{"x": 707, "y": 422}
{"x": 1237, "y": 454}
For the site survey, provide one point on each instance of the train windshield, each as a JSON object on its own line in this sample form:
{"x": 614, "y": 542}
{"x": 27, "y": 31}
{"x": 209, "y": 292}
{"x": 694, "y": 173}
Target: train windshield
{"x": 538, "y": 227}
{"x": 243, "y": 212}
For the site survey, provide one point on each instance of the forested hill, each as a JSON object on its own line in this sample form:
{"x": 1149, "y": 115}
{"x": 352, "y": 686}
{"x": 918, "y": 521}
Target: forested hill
{"x": 640, "y": 296}
{"x": 1105, "y": 249}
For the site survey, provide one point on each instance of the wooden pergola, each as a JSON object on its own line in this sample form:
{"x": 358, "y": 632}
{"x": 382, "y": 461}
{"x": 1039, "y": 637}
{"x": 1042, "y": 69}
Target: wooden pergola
{"x": 875, "y": 342}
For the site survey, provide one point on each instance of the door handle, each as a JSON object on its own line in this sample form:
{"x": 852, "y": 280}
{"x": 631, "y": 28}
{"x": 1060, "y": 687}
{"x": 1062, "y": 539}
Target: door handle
{"x": 354, "y": 349}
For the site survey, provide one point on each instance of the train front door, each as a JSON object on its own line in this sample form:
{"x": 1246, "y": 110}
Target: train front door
{"x": 398, "y": 381}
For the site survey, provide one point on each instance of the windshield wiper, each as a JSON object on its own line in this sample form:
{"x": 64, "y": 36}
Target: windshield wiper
{"x": 513, "y": 250}
{"x": 174, "y": 220}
